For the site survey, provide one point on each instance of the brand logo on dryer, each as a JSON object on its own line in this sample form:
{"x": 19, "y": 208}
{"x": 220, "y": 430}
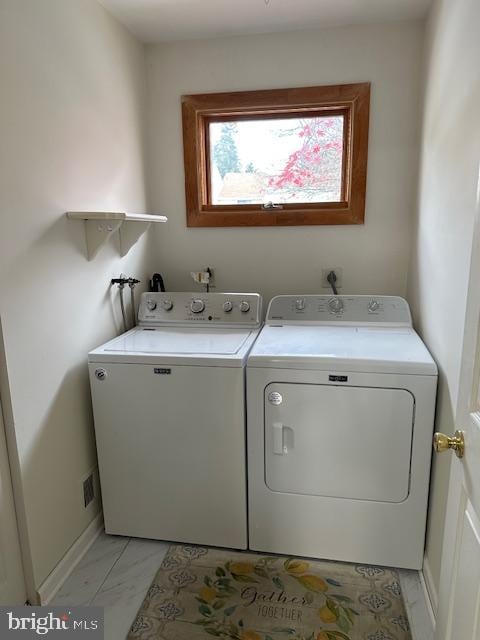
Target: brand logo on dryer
{"x": 275, "y": 398}
{"x": 338, "y": 378}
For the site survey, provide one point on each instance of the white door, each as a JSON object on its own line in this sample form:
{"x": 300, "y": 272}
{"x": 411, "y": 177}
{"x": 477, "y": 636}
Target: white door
{"x": 12, "y": 584}
{"x": 459, "y": 594}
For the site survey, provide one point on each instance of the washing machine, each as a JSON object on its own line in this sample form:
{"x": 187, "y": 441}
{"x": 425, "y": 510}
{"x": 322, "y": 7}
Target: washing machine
{"x": 341, "y": 397}
{"x": 169, "y": 412}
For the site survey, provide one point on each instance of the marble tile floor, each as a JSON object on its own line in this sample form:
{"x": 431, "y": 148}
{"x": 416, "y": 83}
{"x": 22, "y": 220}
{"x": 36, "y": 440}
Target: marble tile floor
{"x": 421, "y": 622}
{"x": 116, "y": 572}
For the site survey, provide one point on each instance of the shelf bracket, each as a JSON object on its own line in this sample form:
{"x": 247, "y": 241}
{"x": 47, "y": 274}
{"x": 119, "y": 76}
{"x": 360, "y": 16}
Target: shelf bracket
{"x": 100, "y": 225}
{"x": 129, "y": 233}
{"x": 97, "y": 233}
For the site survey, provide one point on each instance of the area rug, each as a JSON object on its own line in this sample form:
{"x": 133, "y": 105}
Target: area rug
{"x": 201, "y": 593}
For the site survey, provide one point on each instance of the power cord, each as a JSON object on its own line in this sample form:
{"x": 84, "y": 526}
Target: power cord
{"x": 332, "y": 279}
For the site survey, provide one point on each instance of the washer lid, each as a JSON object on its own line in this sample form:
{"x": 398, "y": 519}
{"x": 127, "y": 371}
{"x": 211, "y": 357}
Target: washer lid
{"x": 174, "y": 340}
{"x": 365, "y": 349}
{"x": 178, "y": 346}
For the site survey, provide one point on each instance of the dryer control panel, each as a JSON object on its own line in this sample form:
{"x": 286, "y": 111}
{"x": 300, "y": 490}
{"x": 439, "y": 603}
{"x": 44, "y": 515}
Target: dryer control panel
{"x": 219, "y": 309}
{"x": 344, "y": 310}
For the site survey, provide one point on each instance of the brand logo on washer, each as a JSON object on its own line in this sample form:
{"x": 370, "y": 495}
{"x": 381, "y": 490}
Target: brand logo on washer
{"x": 162, "y": 372}
{"x": 275, "y": 398}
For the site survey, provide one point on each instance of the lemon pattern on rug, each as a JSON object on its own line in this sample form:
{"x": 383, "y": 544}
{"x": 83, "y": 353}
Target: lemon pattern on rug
{"x": 214, "y": 597}
{"x": 201, "y": 593}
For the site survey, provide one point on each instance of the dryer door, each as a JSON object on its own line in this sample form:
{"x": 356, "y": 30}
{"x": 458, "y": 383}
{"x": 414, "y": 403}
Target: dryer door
{"x": 338, "y": 441}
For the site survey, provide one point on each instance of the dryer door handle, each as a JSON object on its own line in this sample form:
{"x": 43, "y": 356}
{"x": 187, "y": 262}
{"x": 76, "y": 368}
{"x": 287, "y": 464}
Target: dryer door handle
{"x": 282, "y": 438}
{"x": 278, "y": 438}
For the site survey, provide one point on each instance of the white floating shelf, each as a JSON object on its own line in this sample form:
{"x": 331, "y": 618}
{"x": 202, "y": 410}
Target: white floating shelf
{"x": 100, "y": 225}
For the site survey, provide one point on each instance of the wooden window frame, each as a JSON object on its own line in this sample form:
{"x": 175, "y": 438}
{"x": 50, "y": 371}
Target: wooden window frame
{"x": 198, "y": 111}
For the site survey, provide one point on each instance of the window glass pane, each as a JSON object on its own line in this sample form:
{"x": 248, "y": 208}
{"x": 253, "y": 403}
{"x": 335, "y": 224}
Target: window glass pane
{"x": 285, "y": 160}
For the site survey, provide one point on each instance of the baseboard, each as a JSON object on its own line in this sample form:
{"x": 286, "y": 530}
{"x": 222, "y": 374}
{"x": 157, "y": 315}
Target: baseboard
{"x": 48, "y": 589}
{"x": 430, "y": 590}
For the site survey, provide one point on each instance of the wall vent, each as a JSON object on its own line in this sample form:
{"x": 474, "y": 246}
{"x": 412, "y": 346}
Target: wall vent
{"x": 88, "y": 490}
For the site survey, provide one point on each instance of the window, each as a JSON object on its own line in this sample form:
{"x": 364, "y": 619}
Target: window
{"x": 282, "y": 157}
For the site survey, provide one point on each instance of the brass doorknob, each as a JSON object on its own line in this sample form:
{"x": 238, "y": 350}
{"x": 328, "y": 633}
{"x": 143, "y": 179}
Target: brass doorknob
{"x": 441, "y": 443}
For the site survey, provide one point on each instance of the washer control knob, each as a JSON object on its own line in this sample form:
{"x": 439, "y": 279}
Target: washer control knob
{"x": 197, "y": 305}
{"x": 244, "y": 306}
{"x": 300, "y": 304}
{"x": 336, "y": 305}
{"x": 228, "y": 306}
{"x": 167, "y": 305}
{"x": 151, "y": 305}
{"x": 373, "y": 306}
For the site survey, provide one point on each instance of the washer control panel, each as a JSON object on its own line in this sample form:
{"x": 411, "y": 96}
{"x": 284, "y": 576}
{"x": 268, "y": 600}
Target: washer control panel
{"x": 180, "y": 308}
{"x": 356, "y": 310}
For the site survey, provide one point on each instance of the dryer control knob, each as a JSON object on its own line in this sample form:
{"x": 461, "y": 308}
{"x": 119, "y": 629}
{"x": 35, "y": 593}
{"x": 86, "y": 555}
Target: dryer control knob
{"x": 228, "y": 306}
{"x": 373, "y": 306}
{"x": 197, "y": 305}
{"x": 336, "y": 305}
{"x": 167, "y": 305}
{"x": 300, "y": 304}
{"x": 244, "y": 306}
{"x": 151, "y": 305}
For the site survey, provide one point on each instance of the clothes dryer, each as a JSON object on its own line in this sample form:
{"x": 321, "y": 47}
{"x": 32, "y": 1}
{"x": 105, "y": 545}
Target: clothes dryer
{"x": 341, "y": 398}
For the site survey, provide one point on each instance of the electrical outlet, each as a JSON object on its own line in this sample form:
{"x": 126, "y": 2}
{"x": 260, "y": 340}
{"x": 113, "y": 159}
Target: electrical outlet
{"x": 338, "y": 272}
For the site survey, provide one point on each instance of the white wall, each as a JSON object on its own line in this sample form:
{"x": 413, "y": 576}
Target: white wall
{"x": 443, "y": 230}
{"x": 12, "y": 581}
{"x": 72, "y": 113}
{"x": 73, "y": 98}
{"x": 374, "y": 256}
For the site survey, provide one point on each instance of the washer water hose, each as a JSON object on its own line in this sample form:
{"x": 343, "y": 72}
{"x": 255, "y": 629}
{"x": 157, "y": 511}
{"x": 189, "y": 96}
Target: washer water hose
{"x": 121, "y": 286}
{"x": 131, "y": 283}
{"x": 121, "y": 282}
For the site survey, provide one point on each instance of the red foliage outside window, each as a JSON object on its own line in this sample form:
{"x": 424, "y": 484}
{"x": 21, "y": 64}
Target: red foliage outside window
{"x": 317, "y": 164}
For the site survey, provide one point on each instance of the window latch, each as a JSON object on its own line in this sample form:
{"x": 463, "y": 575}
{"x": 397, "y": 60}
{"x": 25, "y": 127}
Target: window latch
{"x": 268, "y": 206}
